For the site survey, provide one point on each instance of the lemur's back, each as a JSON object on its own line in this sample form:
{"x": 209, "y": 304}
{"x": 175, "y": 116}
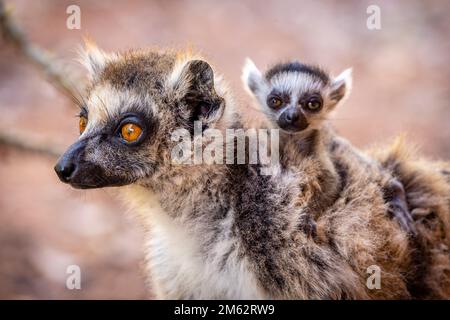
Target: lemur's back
{"x": 343, "y": 192}
{"x": 360, "y": 205}
{"x": 427, "y": 190}
{"x": 412, "y": 264}
{"x": 427, "y": 187}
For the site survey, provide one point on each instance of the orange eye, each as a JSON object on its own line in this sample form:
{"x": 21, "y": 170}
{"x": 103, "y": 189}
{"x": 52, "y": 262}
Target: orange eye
{"x": 82, "y": 124}
{"x": 131, "y": 132}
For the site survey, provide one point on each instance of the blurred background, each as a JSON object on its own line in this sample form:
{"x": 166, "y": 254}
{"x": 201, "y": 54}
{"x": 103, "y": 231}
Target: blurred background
{"x": 401, "y": 84}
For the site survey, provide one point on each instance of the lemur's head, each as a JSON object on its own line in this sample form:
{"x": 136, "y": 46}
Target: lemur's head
{"x": 133, "y": 104}
{"x": 296, "y": 96}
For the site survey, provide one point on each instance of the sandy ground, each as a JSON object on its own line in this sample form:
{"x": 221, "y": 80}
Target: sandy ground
{"x": 401, "y": 76}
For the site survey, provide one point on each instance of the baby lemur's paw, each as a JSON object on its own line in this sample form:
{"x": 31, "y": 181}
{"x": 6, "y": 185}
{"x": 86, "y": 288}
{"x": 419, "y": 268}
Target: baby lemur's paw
{"x": 308, "y": 226}
{"x": 395, "y": 198}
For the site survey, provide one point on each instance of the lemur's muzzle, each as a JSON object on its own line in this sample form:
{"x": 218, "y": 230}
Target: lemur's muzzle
{"x": 292, "y": 119}
{"x": 79, "y": 173}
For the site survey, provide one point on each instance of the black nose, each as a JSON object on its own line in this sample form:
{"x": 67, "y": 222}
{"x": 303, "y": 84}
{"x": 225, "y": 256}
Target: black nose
{"x": 292, "y": 115}
{"x": 292, "y": 120}
{"x": 64, "y": 170}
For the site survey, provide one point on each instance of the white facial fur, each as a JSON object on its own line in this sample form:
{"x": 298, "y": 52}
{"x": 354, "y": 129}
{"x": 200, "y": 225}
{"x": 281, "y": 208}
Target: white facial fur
{"x": 94, "y": 59}
{"x": 295, "y": 84}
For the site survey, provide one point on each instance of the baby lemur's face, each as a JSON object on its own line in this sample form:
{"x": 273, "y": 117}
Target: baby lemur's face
{"x": 295, "y": 96}
{"x": 134, "y": 103}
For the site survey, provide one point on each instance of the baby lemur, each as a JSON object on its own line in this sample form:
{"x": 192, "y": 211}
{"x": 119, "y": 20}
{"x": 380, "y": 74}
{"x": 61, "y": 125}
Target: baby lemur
{"x": 227, "y": 230}
{"x": 298, "y": 99}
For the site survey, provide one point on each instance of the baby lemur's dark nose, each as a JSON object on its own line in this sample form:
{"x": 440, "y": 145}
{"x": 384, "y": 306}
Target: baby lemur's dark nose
{"x": 292, "y": 120}
{"x": 292, "y": 115}
{"x": 65, "y": 169}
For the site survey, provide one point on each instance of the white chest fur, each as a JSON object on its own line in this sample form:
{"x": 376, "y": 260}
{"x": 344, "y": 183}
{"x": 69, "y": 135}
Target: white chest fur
{"x": 176, "y": 265}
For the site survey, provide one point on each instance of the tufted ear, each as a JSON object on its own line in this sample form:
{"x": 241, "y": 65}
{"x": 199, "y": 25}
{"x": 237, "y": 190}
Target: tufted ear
{"x": 252, "y": 77}
{"x": 199, "y": 94}
{"x": 199, "y": 75}
{"x": 341, "y": 86}
{"x": 94, "y": 59}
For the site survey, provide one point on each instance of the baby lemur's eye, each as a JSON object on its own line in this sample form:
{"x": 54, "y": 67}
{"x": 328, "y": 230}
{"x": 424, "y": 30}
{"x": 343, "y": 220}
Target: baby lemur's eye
{"x": 130, "y": 132}
{"x": 314, "y": 104}
{"x": 82, "y": 124}
{"x": 274, "y": 102}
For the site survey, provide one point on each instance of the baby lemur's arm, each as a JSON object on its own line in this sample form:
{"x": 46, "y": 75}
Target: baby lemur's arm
{"x": 298, "y": 98}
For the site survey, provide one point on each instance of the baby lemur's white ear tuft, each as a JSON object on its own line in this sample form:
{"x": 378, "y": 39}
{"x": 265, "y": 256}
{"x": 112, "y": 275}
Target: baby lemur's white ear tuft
{"x": 341, "y": 85}
{"x": 251, "y": 77}
{"x": 93, "y": 58}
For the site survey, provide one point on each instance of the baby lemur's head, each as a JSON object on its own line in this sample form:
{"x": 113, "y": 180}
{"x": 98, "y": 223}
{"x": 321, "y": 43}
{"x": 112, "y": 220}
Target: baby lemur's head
{"x": 296, "y": 96}
{"x": 133, "y": 104}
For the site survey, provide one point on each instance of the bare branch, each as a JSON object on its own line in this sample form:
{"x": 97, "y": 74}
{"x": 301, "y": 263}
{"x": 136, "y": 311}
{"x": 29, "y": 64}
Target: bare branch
{"x": 41, "y": 58}
{"x": 29, "y": 144}
{"x": 53, "y": 71}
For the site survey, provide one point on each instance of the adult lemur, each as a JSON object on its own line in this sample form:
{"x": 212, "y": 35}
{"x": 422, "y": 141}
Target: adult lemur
{"x": 221, "y": 231}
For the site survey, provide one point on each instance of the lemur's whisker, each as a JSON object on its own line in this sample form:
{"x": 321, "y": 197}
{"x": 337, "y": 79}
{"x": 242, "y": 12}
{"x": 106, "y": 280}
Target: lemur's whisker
{"x": 82, "y": 100}
{"x": 103, "y": 106}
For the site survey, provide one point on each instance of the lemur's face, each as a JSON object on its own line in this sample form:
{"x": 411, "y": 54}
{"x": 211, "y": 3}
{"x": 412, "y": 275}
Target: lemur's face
{"x": 294, "y": 96}
{"x": 133, "y": 105}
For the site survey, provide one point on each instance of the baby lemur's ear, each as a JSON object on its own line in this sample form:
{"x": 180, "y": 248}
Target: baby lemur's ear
{"x": 94, "y": 59}
{"x": 196, "y": 82}
{"x": 341, "y": 86}
{"x": 252, "y": 77}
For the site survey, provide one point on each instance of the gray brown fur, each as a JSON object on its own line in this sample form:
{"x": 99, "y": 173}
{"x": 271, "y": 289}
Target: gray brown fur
{"x": 323, "y": 158}
{"x": 311, "y": 142}
{"x": 227, "y": 231}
